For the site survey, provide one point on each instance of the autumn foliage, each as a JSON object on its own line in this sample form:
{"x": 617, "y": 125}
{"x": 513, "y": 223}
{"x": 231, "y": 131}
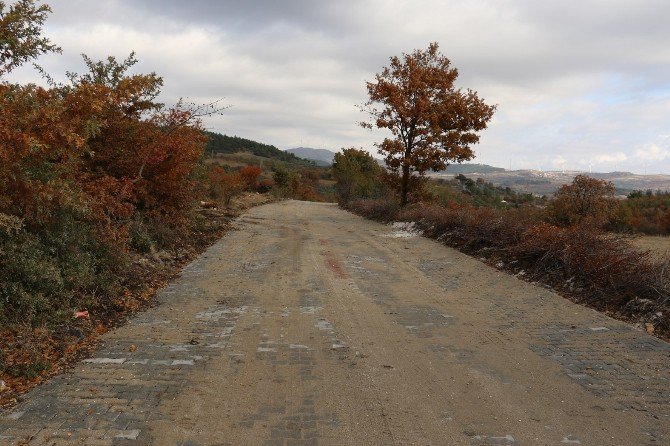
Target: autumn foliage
{"x": 21, "y": 37}
{"x": 585, "y": 201}
{"x": 432, "y": 122}
{"x": 249, "y": 175}
{"x": 645, "y": 212}
{"x": 224, "y": 185}
{"x": 90, "y": 171}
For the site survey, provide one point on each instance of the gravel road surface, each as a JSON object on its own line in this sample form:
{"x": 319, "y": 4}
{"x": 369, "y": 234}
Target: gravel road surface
{"x": 307, "y": 325}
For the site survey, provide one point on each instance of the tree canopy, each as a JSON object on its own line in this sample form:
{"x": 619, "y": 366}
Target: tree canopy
{"x": 584, "y": 201}
{"x": 21, "y": 37}
{"x": 432, "y": 122}
{"x": 356, "y": 174}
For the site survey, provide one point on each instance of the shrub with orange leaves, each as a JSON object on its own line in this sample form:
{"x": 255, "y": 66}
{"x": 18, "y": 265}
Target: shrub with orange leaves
{"x": 80, "y": 165}
{"x": 224, "y": 185}
{"x": 249, "y": 175}
{"x": 265, "y": 185}
{"x": 586, "y": 201}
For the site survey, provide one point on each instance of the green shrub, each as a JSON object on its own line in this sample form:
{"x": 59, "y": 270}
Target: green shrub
{"x": 140, "y": 239}
{"x": 30, "y": 278}
{"x": 46, "y": 274}
{"x": 28, "y": 371}
{"x": 357, "y": 175}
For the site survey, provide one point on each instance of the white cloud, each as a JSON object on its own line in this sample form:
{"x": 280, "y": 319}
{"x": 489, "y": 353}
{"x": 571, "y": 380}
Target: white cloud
{"x": 617, "y": 157}
{"x": 558, "y": 161}
{"x": 652, "y": 152}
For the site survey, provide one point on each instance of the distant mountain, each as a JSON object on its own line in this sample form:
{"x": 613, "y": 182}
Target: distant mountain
{"x": 219, "y": 143}
{"x": 322, "y": 157}
{"x": 469, "y": 168}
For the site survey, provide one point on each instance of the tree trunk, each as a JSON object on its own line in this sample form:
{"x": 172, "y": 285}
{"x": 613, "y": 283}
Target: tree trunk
{"x": 404, "y": 185}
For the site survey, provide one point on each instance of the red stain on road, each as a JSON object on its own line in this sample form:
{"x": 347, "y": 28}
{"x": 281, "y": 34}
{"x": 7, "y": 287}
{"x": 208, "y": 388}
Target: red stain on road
{"x": 332, "y": 262}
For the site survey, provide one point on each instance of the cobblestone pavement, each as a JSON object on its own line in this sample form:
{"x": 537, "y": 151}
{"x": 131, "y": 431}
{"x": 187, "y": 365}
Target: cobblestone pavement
{"x": 307, "y": 325}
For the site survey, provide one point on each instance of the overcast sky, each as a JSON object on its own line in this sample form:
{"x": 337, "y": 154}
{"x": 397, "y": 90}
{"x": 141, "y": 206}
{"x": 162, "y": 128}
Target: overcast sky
{"x": 577, "y": 83}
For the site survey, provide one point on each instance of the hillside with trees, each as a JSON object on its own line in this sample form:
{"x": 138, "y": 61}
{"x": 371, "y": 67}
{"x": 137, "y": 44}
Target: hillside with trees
{"x": 470, "y": 168}
{"x": 218, "y": 143}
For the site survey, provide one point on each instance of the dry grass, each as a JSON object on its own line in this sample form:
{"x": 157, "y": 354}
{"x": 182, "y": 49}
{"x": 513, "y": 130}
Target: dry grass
{"x": 658, "y": 246}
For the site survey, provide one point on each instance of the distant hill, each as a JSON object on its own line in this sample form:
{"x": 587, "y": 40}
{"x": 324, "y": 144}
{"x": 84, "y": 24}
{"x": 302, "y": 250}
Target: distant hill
{"x": 547, "y": 182}
{"x": 219, "y": 143}
{"x": 320, "y": 156}
{"x": 469, "y": 168}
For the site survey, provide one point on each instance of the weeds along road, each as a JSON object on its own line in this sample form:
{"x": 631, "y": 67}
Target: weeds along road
{"x": 308, "y": 325}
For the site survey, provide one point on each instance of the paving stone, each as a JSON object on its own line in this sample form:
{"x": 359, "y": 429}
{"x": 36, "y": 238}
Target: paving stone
{"x": 92, "y": 399}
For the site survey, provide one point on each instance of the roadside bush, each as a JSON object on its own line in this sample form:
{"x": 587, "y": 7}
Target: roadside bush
{"x": 381, "y": 209}
{"x": 223, "y": 186}
{"x": 249, "y": 175}
{"x": 93, "y": 173}
{"x": 586, "y": 201}
{"x": 80, "y": 164}
{"x": 357, "y": 175}
{"x": 140, "y": 239}
{"x": 471, "y": 227}
{"x": 265, "y": 185}
{"x": 433, "y": 219}
{"x": 45, "y": 276}
{"x": 30, "y": 279}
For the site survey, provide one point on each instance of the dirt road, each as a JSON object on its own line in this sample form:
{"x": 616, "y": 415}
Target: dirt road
{"x": 308, "y": 325}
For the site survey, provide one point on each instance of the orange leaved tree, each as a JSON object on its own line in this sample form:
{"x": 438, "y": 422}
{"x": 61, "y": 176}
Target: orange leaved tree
{"x": 432, "y": 122}
{"x": 586, "y": 200}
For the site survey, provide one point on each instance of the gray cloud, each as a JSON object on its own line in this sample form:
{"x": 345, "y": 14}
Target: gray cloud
{"x": 577, "y": 82}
